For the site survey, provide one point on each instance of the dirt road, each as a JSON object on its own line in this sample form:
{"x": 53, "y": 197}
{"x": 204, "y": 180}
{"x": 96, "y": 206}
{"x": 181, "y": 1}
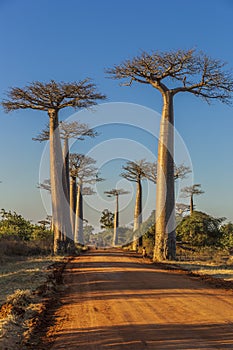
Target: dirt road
{"x": 113, "y": 301}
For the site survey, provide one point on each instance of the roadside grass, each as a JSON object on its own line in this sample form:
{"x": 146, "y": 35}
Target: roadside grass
{"x": 216, "y": 270}
{"x": 21, "y": 298}
{"x": 206, "y": 261}
{"x": 24, "y": 273}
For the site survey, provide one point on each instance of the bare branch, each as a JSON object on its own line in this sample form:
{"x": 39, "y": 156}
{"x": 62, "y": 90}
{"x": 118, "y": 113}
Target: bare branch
{"x": 116, "y": 192}
{"x": 82, "y": 167}
{"x": 195, "y": 72}
{"x": 135, "y": 170}
{"x": 180, "y": 171}
{"x": 46, "y": 185}
{"x": 52, "y": 95}
{"x": 70, "y": 130}
{"x": 191, "y": 190}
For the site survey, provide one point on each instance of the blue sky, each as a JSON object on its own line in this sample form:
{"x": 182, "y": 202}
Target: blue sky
{"x": 73, "y": 39}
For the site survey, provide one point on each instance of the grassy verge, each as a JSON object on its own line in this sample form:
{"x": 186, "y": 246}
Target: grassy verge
{"x": 25, "y": 284}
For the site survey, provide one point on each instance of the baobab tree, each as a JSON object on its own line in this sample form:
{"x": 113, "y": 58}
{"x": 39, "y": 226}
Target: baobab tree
{"x": 81, "y": 168}
{"x": 51, "y": 97}
{"x": 116, "y": 193}
{"x": 68, "y": 130}
{"x": 180, "y": 171}
{"x": 195, "y": 73}
{"x": 189, "y": 192}
{"x": 136, "y": 171}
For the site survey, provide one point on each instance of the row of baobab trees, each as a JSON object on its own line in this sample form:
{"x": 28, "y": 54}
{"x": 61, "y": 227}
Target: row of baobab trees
{"x": 80, "y": 171}
{"x": 170, "y": 73}
{"x": 137, "y": 171}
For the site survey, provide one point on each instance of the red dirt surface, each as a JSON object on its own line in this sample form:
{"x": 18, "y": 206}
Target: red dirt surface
{"x": 113, "y": 300}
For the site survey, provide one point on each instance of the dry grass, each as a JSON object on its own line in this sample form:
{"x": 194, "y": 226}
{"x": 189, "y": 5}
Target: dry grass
{"x": 23, "y": 273}
{"x": 20, "y": 306}
{"x": 216, "y": 270}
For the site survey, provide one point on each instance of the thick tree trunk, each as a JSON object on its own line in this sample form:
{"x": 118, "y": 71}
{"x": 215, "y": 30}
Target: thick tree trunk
{"x": 73, "y": 200}
{"x": 78, "y": 235}
{"x": 165, "y": 240}
{"x": 66, "y": 169}
{"x": 137, "y": 215}
{"x": 191, "y": 204}
{"x": 60, "y": 209}
{"x": 116, "y": 222}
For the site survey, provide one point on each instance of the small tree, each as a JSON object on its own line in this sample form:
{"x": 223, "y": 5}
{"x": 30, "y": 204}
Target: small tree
{"x": 107, "y": 219}
{"x": 136, "y": 171}
{"x": 52, "y": 97}
{"x": 195, "y": 73}
{"x": 116, "y": 193}
{"x": 189, "y": 192}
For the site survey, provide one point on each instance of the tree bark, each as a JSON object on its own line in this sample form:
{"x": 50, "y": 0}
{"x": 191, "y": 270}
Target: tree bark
{"x": 78, "y": 236}
{"x": 191, "y": 204}
{"x": 116, "y": 222}
{"x": 60, "y": 209}
{"x": 73, "y": 200}
{"x": 66, "y": 168}
{"x": 138, "y": 215}
{"x": 165, "y": 239}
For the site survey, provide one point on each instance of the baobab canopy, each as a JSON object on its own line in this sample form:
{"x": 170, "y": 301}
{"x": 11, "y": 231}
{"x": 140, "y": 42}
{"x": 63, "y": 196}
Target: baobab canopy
{"x": 194, "y": 71}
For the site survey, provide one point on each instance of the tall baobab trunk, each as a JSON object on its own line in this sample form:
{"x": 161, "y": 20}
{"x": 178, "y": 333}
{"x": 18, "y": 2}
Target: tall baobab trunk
{"x": 66, "y": 169}
{"x": 78, "y": 235}
{"x": 116, "y": 222}
{"x": 73, "y": 200}
{"x": 61, "y": 220}
{"x": 138, "y": 215}
{"x": 191, "y": 204}
{"x": 165, "y": 246}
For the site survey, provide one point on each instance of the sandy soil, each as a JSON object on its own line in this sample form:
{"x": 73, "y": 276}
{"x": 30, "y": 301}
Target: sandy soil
{"x": 114, "y": 300}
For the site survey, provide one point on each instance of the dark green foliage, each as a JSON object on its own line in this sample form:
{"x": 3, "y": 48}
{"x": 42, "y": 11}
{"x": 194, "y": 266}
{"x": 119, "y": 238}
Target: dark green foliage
{"x": 14, "y": 225}
{"x": 200, "y": 229}
{"x": 227, "y": 236}
{"x": 107, "y": 219}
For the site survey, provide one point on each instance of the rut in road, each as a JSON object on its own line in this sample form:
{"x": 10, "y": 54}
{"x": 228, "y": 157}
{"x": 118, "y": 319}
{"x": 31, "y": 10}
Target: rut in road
{"x": 113, "y": 300}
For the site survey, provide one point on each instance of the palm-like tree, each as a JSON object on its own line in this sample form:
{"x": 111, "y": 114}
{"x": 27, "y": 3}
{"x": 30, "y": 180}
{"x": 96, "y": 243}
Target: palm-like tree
{"x": 116, "y": 193}
{"x": 51, "y": 97}
{"x": 136, "y": 171}
{"x": 195, "y": 73}
{"x": 189, "y": 192}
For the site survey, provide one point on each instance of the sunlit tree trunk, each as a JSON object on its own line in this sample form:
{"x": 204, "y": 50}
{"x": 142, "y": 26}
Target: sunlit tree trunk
{"x": 116, "y": 222}
{"x": 73, "y": 201}
{"x": 78, "y": 236}
{"x": 165, "y": 240}
{"x": 138, "y": 215}
{"x": 60, "y": 209}
{"x": 66, "y": 169}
